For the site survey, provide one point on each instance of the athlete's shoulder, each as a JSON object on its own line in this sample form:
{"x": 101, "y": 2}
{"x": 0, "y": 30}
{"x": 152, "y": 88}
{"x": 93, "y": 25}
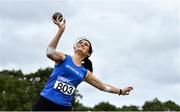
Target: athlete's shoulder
{"x": 64, "y": 60}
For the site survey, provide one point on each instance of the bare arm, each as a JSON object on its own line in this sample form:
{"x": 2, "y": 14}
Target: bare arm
{"x": 51, "y": 49}
{"x": 92, "y": 80}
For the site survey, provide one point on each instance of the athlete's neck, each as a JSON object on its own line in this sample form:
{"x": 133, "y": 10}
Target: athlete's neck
{"x": 77, "y": 59}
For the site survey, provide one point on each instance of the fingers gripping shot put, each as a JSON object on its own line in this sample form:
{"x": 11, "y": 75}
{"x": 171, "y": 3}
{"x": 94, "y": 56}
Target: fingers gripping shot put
{"x": 57, "y": 15}
{"x": 69, "y": 71}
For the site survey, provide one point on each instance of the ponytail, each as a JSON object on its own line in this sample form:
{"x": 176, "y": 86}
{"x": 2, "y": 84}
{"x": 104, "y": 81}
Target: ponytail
{"x": 87, "y": 64}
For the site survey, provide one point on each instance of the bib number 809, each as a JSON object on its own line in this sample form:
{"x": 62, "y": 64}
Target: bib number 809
{"x": 64, "y": 88}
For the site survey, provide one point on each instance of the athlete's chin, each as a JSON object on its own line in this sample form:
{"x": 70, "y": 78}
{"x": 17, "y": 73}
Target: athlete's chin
{"x": 81, "y": 51}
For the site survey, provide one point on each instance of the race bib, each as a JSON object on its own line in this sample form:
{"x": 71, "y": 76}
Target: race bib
{"x": 64, "y": 88}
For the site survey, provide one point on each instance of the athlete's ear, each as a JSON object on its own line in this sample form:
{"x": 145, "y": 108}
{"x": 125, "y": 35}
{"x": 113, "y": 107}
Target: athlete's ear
{"x": 74, "y": 46}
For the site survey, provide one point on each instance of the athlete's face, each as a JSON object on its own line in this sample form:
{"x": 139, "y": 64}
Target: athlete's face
{"x": 83, "y": 46}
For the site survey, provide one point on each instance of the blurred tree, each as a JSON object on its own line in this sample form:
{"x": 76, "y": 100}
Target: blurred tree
{"x": 129, "y": 108}
{"x": 19, "y": 91}
{"x": 171, "y": 106}
{"x": 75, "y": 101}
{"x": 104, "y": 106}
{"x": 81, "y": 107}
{"x": 154, "y": 105}
{"x": 13, "y": 91}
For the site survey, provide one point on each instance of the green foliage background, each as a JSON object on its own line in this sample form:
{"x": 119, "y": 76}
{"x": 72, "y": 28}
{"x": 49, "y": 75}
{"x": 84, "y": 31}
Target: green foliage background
{"x": 18, "y": 92}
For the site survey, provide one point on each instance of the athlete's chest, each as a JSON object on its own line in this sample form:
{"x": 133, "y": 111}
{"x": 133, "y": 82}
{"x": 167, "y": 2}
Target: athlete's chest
{"x": 73, "y": 71}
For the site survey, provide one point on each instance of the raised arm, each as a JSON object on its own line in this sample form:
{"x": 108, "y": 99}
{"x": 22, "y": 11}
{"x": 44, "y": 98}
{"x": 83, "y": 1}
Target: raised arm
{"x": 92, "y": 80}
{"x": 51, "y": 49}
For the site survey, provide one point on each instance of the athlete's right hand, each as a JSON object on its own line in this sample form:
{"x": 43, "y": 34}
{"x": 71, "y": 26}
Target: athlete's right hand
{"x": 126, "y": 90}
{"x": 60, "y": 24}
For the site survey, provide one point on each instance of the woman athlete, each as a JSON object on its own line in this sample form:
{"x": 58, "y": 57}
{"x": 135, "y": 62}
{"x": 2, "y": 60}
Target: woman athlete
{"x": 69, "y": 72}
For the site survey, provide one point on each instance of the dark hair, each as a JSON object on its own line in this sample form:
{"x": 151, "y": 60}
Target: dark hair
{"x": 86, "y": 62}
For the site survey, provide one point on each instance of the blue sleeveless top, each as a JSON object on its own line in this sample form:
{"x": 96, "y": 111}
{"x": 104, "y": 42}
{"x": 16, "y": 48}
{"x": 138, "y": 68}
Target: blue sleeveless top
{"x": 65, "y": 77}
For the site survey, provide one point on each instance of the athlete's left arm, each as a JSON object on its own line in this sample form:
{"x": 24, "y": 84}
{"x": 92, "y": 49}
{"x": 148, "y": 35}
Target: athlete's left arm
{"x": 92, "y": 80}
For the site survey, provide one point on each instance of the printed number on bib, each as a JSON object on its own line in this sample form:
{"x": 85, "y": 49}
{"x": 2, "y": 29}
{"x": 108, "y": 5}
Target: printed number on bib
{"x": 64, "y": 88}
